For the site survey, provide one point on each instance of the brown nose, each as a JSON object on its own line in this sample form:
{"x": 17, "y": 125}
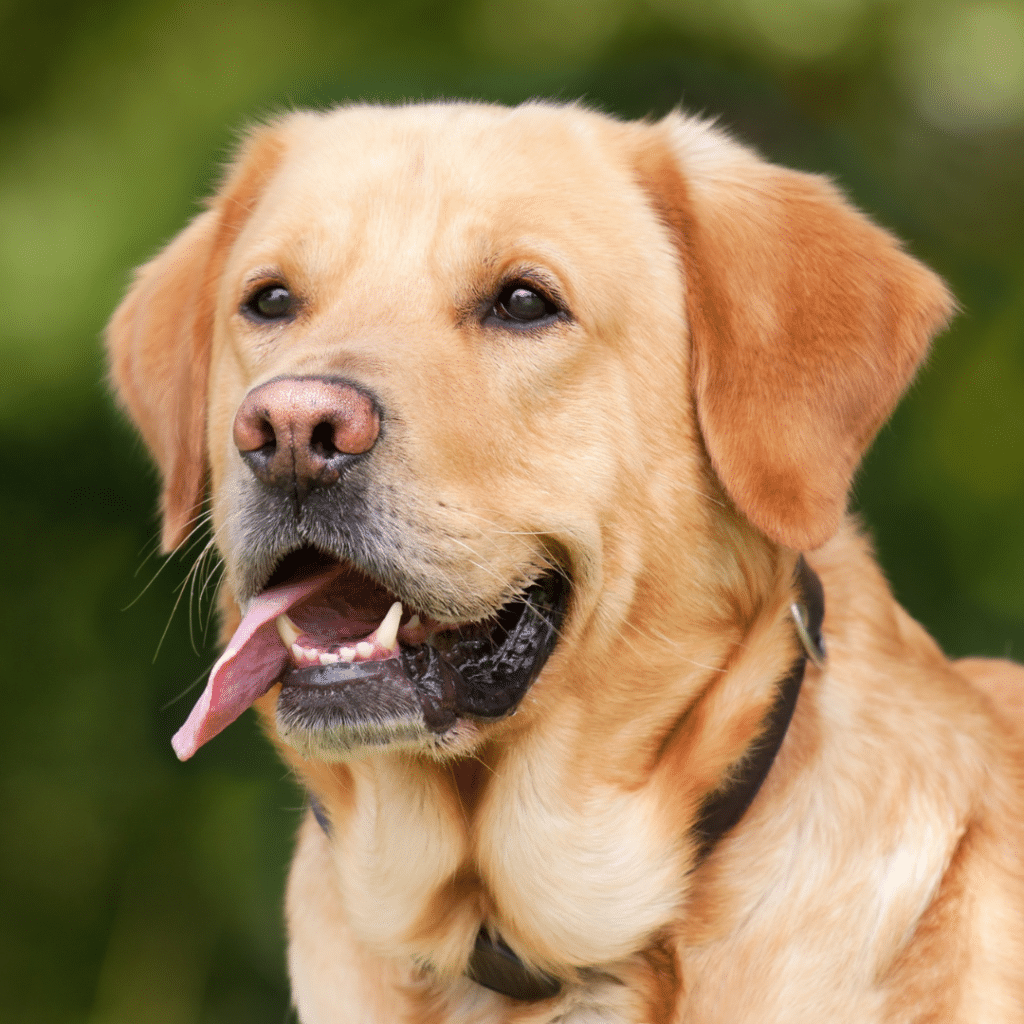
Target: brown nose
{"x": 300, "y": 433}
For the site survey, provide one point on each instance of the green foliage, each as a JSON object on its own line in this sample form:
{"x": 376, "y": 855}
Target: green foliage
{"x": 140, "y": 890}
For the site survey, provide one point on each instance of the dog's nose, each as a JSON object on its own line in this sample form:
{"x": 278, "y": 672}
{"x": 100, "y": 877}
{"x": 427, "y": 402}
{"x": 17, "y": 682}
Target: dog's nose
{"x": 300, "y": 433}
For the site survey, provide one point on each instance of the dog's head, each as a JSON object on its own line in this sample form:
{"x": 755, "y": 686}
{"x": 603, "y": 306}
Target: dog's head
{"x": 490, "y": 396}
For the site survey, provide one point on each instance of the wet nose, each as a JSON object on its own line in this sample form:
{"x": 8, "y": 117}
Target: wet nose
{"x": 300, "y": 433}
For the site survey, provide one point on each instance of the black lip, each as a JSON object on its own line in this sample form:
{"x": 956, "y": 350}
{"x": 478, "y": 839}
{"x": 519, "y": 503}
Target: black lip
{"x": 483, "y": 676}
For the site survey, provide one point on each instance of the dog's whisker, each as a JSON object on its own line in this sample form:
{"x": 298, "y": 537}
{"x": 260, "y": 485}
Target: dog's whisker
{"x": 189, "y": 582}
{"x": 167, "y": 626}
{"x": 200, "y": 521}
{"x": 196, "y": 591}
{"x": 190, "y": 579}
{"x": 150, "y": 549}
{"x": 207, "y": 565}
{"x": 211, "y": 584}
{"x": 482, "y": 566}
{"x": 153, "y": 544}
{"x": 181, "y": 589}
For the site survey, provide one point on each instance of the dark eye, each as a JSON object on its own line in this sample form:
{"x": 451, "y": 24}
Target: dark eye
{"x": 270, "y": 303}
{"x": 523, "y": 304}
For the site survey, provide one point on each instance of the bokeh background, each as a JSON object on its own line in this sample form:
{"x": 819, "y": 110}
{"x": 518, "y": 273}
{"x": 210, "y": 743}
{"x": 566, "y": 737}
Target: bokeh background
{"x": 135, "y": 890}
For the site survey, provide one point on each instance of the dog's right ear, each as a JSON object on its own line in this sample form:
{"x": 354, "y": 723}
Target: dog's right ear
{"x": 159, "y": 345}
{"x": 158, "y": 340}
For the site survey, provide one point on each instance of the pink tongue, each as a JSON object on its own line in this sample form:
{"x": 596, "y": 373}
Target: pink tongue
{"x": 252, "y": 663}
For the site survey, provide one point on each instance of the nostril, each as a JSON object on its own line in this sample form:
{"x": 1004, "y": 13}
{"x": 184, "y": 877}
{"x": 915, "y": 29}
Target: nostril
{"x": 321, "y": 440}
{"x": 266, "y": 435}
{"x": 254, "y": 431}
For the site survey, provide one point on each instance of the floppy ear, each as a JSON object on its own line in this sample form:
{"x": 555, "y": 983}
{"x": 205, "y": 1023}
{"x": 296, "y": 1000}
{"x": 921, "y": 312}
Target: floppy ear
{"x": 158, "y": 339}
{"x": 807, "y": 322}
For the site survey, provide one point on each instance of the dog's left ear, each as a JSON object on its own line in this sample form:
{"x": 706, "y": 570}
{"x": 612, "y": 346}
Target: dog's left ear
{"x": 807, "y": 322}
{"x": 159, "y": 338}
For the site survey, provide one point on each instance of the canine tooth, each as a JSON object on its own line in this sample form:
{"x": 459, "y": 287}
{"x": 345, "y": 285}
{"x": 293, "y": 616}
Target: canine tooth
{"x": 347, "y": 654}
{"x": 287, "y": 629}
{"x": 329, "y": 659}
{"x": 364, "y": 649}
{"x": 413, "y": 622}
{"x": 387, "y": 631}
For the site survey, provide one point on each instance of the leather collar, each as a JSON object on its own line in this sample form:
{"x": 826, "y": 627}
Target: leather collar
{"x": 723, "y": 809}
{"x": 495, "y": 966}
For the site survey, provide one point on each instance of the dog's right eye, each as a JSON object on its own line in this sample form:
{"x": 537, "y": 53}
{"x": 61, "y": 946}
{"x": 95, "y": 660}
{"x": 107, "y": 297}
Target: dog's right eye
{"x": 270, "y": 303}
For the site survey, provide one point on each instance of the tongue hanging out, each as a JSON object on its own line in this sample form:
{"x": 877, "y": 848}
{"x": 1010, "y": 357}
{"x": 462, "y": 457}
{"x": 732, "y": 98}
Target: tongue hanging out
{"x": 353, "y": 674}
{"x": 268, "y": 640}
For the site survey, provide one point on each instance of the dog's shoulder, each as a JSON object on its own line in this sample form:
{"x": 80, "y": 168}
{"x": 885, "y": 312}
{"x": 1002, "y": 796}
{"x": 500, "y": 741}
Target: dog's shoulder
{"x": 1002, "y": 682}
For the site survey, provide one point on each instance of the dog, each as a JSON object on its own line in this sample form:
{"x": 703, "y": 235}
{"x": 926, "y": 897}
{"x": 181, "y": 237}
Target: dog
{"x": 528, "y": 435}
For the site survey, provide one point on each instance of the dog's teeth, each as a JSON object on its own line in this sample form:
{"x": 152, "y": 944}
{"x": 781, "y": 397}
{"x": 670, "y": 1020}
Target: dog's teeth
{"x": 364, "y": 649}
{"x": 287, "y": 630}
{"x": 347, "y": 654}
{"x": 413, "y": 622}
{"x": 387, "y": 631}
{"x": 305, "y": 655}
{"x": 329, "y": 659}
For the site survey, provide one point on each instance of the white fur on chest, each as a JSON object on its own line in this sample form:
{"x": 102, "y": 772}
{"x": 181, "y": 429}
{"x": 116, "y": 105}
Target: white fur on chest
{"x": 580, "y": 869}
{"x": 572, "y": 874}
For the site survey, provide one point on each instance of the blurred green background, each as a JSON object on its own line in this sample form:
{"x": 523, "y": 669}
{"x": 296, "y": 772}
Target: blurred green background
{"x": 136, "y": 889}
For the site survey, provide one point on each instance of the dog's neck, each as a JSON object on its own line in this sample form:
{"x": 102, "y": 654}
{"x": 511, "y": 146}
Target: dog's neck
{"x": 495, "y": 966}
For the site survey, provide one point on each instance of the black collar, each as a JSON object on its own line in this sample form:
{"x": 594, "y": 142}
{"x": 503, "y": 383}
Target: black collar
{"x": 495, "y": 966}
{"x": 723, "y": 809}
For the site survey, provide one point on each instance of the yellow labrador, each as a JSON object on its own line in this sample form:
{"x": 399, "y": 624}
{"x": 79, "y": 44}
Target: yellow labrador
{"x": 515, "y": 424}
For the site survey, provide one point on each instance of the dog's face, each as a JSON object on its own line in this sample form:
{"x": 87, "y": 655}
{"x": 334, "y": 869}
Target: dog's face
{"x": 554, "y": 384}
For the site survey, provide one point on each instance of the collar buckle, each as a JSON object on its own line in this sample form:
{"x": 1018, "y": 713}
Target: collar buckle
{"x": 814, "y": 647}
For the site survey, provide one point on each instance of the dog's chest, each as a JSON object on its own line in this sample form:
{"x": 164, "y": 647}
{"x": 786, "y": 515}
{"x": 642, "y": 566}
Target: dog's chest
{"x": 568, "y": 875}
{"x": 583, "y": 871}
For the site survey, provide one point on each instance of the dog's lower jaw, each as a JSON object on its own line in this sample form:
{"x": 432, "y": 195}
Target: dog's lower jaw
{"x": 310, "y": 750}
{"x": 346, "y": 742}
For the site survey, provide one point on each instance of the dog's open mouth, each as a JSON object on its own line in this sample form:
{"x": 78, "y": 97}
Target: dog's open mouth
{"x": 358, "y": 667}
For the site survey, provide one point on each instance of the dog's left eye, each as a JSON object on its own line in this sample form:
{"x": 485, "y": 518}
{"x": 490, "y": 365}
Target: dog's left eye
{"x": 521, "y": 303}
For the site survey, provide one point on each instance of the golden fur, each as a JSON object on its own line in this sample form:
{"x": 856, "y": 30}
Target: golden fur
{"x": 737, "y": 335}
